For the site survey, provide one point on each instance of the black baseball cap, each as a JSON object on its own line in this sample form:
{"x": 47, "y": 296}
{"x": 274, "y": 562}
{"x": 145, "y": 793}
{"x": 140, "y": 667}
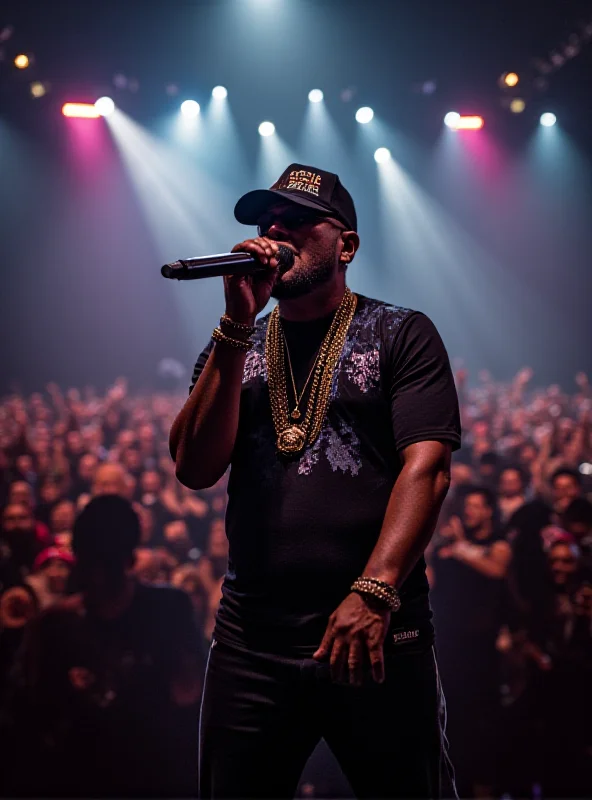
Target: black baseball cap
{"x": 305, "y": 186}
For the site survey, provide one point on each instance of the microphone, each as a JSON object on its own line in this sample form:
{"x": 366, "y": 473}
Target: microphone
{"x": 190, "y": 269}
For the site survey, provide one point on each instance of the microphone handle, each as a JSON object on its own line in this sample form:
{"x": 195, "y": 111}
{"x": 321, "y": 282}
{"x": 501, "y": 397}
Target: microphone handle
{"x": 212, "y": 267}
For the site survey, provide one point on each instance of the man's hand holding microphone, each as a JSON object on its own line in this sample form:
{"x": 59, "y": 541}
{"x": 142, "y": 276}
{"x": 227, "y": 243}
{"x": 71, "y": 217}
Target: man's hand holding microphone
{"x": 247, "y": 295}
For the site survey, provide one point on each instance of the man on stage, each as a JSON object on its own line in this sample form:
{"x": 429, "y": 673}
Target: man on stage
{"x": 337, "y": 414}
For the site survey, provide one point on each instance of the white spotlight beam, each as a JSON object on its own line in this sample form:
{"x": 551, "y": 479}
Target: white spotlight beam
{"x": 190, "y": 109}
{"x": 105, "y": 106}
{"x": 364, "y": 115}
{"x": 382, "y": 155}
{"x": 266, "y": 129}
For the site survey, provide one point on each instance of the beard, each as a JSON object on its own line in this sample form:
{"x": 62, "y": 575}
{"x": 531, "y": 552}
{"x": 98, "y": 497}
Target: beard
{"x": 305, "y": 277}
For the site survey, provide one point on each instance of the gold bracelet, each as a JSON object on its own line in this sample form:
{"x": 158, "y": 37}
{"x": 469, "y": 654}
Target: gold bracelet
{"x": 239, "y": 327}
{"x": 380, "y": 590}
{"x": 238, "y": 344}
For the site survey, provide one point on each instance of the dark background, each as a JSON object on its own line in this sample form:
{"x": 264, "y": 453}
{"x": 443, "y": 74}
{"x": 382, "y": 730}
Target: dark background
{"x": 490, "y": 235}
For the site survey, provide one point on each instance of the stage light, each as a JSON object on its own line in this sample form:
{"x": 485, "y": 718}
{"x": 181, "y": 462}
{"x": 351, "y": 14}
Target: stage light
{"x": 266, "y": 129}
{"x": 470, "y": 123}
{"x": 105, "y": 106}
{"x": 38, "y": 89}
{"x": 517, "y": 105}
{"x": 315, "y": 96}
{"x": 364, "y": 115}
{"x": 510, "y": 79}
{"x": 548, "y": 119}
{"x": 382, "y": 154}
{"x": 219, "y": 92}
{"x": 455, "y": 122}
{"x": 451, "y": 119}
{"x": 86, "y": 110}
{"x": 21, "y": 61}
{"x": 190, "y": 109}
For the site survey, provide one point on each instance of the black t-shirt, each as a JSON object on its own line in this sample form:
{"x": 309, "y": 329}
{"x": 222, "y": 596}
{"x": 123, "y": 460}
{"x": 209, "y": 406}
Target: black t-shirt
{"x": 301, "y": 529}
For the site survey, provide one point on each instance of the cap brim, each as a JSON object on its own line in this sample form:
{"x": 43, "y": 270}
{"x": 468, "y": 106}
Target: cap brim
{"x": 252, "y": 205}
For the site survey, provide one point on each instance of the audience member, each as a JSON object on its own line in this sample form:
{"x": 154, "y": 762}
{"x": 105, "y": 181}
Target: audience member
{"x": 511, "y": 491}
{"x": 577, "y": 520}
{"x": 105, "y": 673}
{"x": 110, "y": 479}
{"x": 22, "y": 493}
{"x": 61, "y": 523}
{"x": 559, "y": 644}
{"x": 149, "y": 496}
{"x": 566, "y": 485}
{"x": 19, "y": 539}
{"x": 84, "y": 475}
{"x": 178, "y": 542}
{"x": 154, "y": 565}
{"x": 470, "y": 563}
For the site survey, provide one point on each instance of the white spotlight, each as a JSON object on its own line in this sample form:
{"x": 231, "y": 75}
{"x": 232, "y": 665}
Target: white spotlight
{"x": 267, "y": 129}
{"x": 105, "y": 106}
{"x": 190, "y": 109}
{"x": 315, "y": 96}
{"x": 451, "y": 119}
{"x": 364, "y": 115}
{"x": 548, "y": 119}
{"x": 219, "y": 92}
{"x": 382, "y": 154}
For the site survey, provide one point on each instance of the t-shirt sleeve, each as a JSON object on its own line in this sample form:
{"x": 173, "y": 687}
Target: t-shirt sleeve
{"x": 423, "y": 399}
{"x": 200, "y": 363}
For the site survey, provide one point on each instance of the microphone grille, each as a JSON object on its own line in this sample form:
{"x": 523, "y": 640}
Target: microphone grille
{"x": 285, "y": 256}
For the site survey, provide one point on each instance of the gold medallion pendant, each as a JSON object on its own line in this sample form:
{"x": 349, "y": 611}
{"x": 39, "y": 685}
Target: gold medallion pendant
{"x": 291, "y": 440}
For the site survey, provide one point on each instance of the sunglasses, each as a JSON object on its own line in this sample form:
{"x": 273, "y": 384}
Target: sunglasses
{"x": 293, "y": 219}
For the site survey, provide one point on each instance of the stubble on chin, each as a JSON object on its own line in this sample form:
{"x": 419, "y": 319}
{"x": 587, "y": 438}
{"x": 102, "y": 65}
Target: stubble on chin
{"x": 302, "y": 282}
{"x": 288, "y": 290}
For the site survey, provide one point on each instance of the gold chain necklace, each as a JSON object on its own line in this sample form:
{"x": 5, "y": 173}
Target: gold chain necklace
{"x": 293, "y": 438}
{"x": 296, "y": 412}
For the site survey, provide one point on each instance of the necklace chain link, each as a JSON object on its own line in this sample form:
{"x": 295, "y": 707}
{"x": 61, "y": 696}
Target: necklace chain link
{"x": 297, "y": 399}
{"x": 292, "y": 438}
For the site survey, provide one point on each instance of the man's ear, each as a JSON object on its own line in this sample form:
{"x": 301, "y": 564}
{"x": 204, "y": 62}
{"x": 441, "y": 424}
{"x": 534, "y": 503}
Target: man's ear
{"x": 351, "y": 242}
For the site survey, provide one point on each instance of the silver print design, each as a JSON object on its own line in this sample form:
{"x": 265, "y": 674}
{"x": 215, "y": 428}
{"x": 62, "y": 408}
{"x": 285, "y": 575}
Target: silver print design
{"x": 359, "y": 365}
{"x": 341, "y": 448}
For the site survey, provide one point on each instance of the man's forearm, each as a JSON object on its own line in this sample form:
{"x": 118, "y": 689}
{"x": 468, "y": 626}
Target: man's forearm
{"x": 409, "y": 522}
{"x": 203, "y": 434}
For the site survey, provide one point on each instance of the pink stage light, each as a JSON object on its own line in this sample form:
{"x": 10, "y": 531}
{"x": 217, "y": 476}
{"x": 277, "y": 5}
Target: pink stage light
{"x": 80, "y": 110}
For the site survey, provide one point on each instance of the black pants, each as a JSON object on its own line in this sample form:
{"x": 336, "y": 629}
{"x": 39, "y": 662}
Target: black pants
{"x": 262, "y": 716}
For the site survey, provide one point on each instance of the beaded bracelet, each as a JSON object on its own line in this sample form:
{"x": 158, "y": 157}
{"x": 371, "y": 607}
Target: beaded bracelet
{"x": 238, "y": 344}
{"x": 380, "y": 590}
{"x": 239, "y": 327}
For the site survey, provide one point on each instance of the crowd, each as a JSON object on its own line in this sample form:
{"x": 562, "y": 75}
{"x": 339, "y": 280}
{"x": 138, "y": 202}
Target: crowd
{"x": 111, "y": 573}
{"x": 511, "y": 587}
